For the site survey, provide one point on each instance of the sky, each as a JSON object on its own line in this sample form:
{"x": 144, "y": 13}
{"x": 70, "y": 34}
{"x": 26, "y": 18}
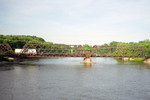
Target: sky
{"x": 93, "y": 22}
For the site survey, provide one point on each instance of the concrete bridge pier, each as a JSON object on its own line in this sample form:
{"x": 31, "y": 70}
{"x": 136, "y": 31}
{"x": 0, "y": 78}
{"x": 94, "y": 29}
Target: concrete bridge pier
{"x": 87, "y": 60}
{"x": 147, "y": 61}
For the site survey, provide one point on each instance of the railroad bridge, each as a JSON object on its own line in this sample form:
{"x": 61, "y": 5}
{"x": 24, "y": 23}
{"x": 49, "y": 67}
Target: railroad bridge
{"x": 53, "y": 50}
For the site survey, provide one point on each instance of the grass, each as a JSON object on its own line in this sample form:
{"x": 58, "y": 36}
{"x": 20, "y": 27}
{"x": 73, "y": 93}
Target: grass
{"x": 134, "y": 59}
{"x": 139, "y": 59}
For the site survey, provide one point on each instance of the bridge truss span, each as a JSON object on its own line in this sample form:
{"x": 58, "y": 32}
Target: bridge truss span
{"x": 119, "y": 51}
{"x": 79, "y": 51}
{"x": 55, "y": 50}
{"x": 5, "y": 49}
{"x": 45, "y": 50}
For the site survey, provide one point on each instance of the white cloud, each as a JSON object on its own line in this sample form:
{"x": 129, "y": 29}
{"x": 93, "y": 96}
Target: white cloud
{"x": 93, "y": 21}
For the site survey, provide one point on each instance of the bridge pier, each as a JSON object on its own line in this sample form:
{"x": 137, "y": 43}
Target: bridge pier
{"x": 87, "y": 60}
{"x": 147, "y": 61}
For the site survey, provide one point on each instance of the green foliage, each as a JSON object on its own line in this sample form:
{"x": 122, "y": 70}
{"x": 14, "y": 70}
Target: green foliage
{"x": 113, "y": 43}
{"x": 18, "y": 41}
{"x": 138, "y": 59}
{"x": 124, "y": 52}
{"x": 86, "y": 47}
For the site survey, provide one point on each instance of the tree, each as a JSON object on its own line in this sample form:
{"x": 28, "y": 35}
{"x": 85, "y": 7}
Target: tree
{"x": 86, "y": 47}
{"x": 113, "y": 43}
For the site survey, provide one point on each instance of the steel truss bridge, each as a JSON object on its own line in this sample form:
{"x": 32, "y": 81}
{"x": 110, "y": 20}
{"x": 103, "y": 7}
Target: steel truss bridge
{"x": 45, "y": 50}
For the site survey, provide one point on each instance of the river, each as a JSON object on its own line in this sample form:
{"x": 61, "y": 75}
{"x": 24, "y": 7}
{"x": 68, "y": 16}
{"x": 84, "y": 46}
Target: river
{"x": 69, "y": 79}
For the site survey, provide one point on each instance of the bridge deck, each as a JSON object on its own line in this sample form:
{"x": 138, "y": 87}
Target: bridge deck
{"x": 81, "y": 56}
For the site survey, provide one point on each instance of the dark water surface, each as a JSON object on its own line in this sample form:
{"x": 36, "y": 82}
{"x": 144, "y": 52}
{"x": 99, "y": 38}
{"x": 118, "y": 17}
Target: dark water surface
{"x": 68, "y": 79}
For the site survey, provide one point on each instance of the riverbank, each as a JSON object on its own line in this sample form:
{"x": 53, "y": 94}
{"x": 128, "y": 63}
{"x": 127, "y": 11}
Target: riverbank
{"x": 9, "y": 60}
{"x": 3, "y": 58}
{"x": 146, "y": 61}
{"x": 6, "y": 60}
{"x": 132, "y": 59}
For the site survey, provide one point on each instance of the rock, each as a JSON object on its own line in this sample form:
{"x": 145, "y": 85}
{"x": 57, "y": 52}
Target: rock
{"x": 10, "y": 59}
{"x": 131, "y": 59}
{"x": 128, "y": 59}
{"x": 147, "y": 61}
{"x": 14, "y": 60}
{"x": 125, "y": 59}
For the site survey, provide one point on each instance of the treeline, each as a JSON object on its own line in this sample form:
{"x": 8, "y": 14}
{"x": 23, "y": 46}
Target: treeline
{"x": 18, "y": 41}
{"x": 122, "y": 51}
{"x": 145, "y": 43}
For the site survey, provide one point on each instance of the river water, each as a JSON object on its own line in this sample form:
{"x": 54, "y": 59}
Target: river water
{"x": 69, "y": 79}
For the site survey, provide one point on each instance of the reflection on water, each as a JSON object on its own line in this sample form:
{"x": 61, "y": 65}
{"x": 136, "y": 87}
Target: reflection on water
{"x": 68, "y": 79}
{"x": 87, "y": 65}
{"x": 5, "y": 67}
{"x": 72, "y": 60}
